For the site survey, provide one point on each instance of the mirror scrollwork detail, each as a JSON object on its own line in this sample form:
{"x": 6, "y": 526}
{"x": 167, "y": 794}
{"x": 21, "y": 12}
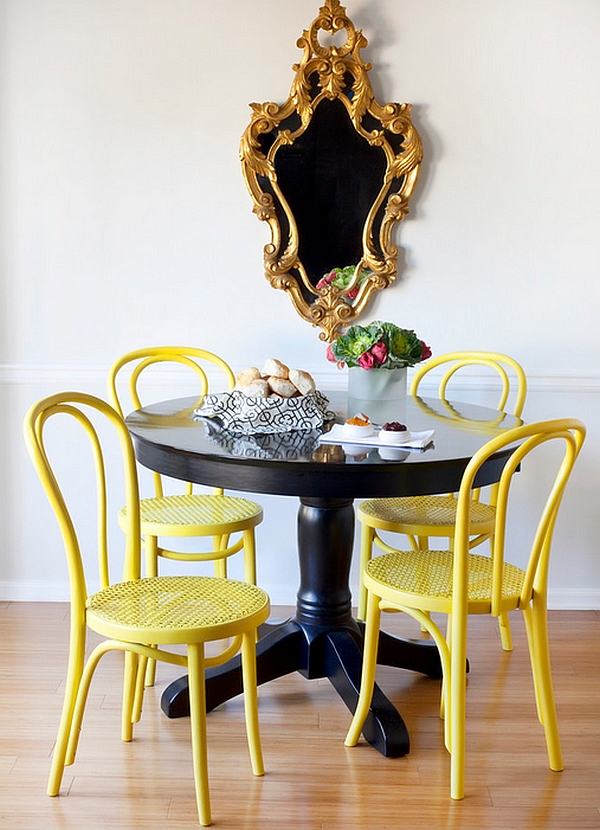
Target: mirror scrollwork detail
{"x": 331, "y": 170}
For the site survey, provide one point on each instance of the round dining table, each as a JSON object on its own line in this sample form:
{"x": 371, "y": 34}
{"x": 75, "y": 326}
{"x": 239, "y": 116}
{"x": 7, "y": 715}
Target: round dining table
{"x": 322, "y": 638}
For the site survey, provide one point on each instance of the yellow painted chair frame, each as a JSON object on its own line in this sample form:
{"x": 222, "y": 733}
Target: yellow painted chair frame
{"x": 422, "y": 517}
{"x": 461, "y": 583}
{"x": 188, "y": 515}
{"x": 135, "y": 613}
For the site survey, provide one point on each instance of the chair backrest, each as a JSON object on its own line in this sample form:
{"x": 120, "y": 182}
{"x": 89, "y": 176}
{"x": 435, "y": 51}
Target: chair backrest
{"x": 140, "y": 360}
{"x": 94, "y": 416}
{"x": 510, "y": 373}
{"x": 124, "y": 378}
{"x": 568, "y": 434}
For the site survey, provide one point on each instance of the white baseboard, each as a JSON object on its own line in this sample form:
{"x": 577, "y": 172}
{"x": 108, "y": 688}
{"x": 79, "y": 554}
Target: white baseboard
{"x": 36, "y": 591}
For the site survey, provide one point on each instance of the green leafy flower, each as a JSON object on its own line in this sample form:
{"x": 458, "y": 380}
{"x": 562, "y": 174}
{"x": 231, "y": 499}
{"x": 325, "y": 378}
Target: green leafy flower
{"x": 395, "y": 347}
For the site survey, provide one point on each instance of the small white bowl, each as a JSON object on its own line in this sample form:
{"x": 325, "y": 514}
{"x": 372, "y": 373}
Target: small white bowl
{"x": 356, "y": 450}
{"x": 356, "y": 431}
{"x": 393, "y": 453}
{"x": 394, "y": 437}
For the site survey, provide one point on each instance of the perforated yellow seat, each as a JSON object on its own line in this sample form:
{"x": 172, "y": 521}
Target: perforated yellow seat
{"x": 459, "y": 583}
{"x": 422, "y": 517}
{"x": 174, "y": 515}
{"x": 140, "y": 616}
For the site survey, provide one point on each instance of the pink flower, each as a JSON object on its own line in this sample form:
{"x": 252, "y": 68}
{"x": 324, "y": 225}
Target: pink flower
{"x": 426, "y": 351}
{"x": 351, "y": 295}
{"x": 326, "y": 280}
{"x": 379, "y": 352}
{"x": 366, "y": 360}
{"x": 330, "y": 356}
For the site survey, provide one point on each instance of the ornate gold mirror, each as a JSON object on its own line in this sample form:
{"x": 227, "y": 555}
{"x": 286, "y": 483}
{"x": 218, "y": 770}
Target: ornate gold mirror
{"x": 331, "y": 171}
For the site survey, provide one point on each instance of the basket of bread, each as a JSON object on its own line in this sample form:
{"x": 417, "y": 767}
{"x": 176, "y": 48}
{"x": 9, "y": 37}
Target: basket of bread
{"x": 276, "y": 399}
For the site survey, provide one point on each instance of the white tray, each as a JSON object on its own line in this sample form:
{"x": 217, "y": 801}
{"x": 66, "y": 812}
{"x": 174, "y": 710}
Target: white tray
{"x": 337, "y": 435}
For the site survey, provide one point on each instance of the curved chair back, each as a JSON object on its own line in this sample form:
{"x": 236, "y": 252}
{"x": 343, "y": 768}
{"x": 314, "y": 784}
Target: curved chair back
{"x": 125, "y": 375}
{"x": 569, "y": 432}
{"x": 505, "y": 367}
{"x": 81, "y": 408}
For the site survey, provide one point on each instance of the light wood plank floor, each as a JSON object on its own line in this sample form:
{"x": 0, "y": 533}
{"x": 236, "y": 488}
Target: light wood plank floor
{"x": 312, "y": 780}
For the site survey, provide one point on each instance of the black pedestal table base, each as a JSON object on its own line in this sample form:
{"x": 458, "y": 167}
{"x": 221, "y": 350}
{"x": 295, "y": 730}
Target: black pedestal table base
{"x": 322, "y": 639}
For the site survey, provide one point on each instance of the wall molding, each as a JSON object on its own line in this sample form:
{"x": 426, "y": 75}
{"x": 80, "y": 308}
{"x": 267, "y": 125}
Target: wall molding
{"x": 61, "y": 374}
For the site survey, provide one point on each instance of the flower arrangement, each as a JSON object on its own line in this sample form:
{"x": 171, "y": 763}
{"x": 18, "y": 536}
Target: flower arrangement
{"x": 340, "y": 278}
{"x": 378, "y": 346}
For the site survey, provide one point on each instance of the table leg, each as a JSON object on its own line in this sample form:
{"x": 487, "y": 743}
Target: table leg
{"x": 322, "y": 639}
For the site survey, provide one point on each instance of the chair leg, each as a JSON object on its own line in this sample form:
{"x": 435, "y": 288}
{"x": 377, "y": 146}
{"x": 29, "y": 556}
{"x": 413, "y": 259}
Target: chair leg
{"x": 457, "y": 703}
{"x": 130, "y": 676}
{"x": 82, "y": 696}
{"x": 536, "y": 620}
{"x": 249, "y": 680}
{"x": 250, "y": 556}
{"x": 151, "y": 557}
{"x": 369, "y": 668}
{"x": 220, "y": 565}
{"x": 503, "y": 620}
{"x": 198, "y": 728}
{"x": 140, "y": 683}
{"x": 73, "y": 681}
{"x": 422, "y": 543}
{"x": 366, "y": 548}
{"x": 505, "y": 632}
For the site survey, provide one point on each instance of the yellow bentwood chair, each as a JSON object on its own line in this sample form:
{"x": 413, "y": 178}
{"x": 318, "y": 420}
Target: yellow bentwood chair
{"x": 420, "y": 517}
{"x": 189, "y": 515}
{"x": 134, "y": 613}
{"x": 460, "y": 583}
{"x": 186, "y": 515}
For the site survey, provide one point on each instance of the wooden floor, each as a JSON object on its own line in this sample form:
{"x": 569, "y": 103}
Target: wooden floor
{"x": 312, "y": 780}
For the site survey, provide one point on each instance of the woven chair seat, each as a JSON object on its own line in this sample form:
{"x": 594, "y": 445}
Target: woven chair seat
{"x": 434, "y": 511}
{"x": 207, "y": 513}
{"x": 428, "y": 573}
{"x": 177, "y": 602}
{"x": 182, "y": 604}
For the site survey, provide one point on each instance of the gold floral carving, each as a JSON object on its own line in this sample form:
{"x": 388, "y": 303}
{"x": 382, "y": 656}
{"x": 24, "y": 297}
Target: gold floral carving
{"x": 332, "y": 72}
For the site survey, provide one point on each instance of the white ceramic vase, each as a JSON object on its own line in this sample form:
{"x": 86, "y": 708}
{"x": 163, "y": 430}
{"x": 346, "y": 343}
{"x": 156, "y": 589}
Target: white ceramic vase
{"x": 379, "y": 393}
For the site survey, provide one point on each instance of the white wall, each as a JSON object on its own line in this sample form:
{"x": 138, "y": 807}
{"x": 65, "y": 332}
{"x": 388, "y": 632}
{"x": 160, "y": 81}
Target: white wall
{"x": 124, "y": 219}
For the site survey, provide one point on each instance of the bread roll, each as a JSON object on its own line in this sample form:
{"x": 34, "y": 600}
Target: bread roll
{"x": 303, "y": 381}
{"x": 256, "y": 389}
{"x": 275, "y": 368}
{"x": 282, "y": 387}
{"x": 247, "y": 376}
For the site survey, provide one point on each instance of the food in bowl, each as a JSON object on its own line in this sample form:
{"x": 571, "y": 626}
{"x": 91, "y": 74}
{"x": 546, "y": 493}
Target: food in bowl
{"x": 275, "y": 381}
{"x": 359, "y": 426}
{"x": 393, "y": 432}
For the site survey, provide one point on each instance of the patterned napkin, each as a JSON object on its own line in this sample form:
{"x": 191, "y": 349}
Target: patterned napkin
{"x": 243, "y": 415}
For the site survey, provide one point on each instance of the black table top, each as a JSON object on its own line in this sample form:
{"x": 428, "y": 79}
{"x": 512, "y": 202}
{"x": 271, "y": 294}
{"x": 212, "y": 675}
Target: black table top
{"x": 171, "y": 441}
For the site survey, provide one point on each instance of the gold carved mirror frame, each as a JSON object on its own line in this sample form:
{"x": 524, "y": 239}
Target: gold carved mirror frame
{"x": 331, "y": 171}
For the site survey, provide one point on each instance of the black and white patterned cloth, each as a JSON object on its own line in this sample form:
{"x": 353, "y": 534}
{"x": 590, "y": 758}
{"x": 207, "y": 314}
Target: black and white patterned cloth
{"x": 243, "y": 415}
{"x": 281, "y": 445}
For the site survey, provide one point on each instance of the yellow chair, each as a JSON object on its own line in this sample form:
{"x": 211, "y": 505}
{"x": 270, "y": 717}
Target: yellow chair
{"x": 420, "y": 517}
{"x": 460, "y": 583}
{"x": 134, "y": 613}
{"x": 189, "y": 515}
